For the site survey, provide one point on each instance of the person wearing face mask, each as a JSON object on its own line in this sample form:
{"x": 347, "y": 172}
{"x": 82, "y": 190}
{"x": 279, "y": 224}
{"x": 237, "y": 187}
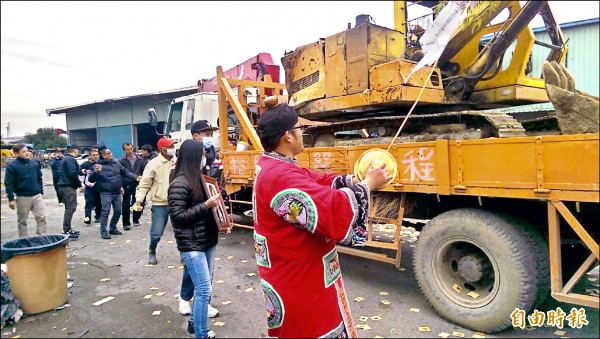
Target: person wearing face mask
{"x": 203, "y": 131}
{"x": 155, "y": 179}
{"x": 211, "y": 164}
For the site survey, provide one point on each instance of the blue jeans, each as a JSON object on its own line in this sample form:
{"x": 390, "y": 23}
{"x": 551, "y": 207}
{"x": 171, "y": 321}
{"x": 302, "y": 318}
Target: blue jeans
{"x": 109, "y": 199}
{"x": 187, "y": 285}
{"x": 160, "y": 215}
{"x": 200, "y": 265}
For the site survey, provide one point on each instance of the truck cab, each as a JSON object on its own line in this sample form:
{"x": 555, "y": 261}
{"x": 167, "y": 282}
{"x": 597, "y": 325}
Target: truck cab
{"x": 186, "y": 110}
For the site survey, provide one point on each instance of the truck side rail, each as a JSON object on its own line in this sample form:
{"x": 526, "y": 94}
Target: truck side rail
{"x": 563, "y": 168}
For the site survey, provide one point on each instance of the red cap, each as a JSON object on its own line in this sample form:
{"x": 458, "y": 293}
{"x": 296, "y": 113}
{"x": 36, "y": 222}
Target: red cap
{"x": 165, "y": 142}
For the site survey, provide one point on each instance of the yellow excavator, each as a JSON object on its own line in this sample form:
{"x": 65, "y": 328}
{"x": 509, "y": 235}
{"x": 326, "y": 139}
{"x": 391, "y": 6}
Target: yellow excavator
{"x": 358, "y": 79}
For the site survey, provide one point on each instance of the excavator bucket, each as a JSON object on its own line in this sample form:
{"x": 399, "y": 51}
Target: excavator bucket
{"x": 577, "y": 112}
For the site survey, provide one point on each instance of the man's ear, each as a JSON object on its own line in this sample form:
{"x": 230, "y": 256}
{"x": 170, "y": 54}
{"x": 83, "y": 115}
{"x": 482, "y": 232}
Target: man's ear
{"x": 287, "y": 137}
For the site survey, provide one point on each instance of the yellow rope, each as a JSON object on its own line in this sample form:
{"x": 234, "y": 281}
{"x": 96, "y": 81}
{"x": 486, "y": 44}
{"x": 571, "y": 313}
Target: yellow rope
{"x": 413, "y": 106}
{"x": 463, "y": 16}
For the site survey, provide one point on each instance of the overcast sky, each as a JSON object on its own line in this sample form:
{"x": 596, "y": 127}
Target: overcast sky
{"x": 57, "y": 54}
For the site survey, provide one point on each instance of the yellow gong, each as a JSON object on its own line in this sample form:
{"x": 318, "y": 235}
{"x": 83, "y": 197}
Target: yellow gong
{"x": 378, "y": 156}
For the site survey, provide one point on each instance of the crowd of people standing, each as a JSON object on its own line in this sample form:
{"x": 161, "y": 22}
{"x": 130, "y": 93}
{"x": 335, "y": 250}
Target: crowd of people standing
{"x": 176, "y": 187}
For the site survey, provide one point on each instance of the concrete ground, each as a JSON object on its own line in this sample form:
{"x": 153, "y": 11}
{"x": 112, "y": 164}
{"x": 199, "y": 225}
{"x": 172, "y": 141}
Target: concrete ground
{"x": 123, "y": 260}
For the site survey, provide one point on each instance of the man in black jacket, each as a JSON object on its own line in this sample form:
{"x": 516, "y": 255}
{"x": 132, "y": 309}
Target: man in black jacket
{"x": 108, "y": 176}
{"x": 56, "y": 158}
{"x": 212, "y": 166}
{"x": 134, "y": 164}
{"x": 147, "y": 152}
{"x": 68, "y": 184}
{"x": 92, "y": 196}
{"x": 24, "y": 178}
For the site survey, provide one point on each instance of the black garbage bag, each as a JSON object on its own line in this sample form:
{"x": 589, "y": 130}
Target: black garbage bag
{"x": 10, "y": 305}
{"x": 30, "y": 245}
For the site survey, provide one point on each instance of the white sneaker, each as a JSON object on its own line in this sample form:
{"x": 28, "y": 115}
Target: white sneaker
{"x": 211, "y": 333}
{"x": 185, "y": 307}
{"x": 212, "y": 312}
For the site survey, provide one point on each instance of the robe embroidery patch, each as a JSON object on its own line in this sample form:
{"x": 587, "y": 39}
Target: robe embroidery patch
{"x": 297, "y": 208}
{"x": 261, "y": 251}
{"x": 331, "y": 266}
{"x": 275, "y": 310}
{"x": 338, "y": 332}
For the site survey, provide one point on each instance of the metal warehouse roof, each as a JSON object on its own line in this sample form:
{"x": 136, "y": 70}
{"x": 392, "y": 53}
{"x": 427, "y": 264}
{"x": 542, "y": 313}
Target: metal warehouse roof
{"x": 585, "y": 22}
{"x": 570, "y": 24}
{"x": 63, "y": 110}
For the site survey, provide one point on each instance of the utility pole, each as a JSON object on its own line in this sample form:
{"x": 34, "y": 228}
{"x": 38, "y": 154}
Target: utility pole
{"x": 8, "y": 129}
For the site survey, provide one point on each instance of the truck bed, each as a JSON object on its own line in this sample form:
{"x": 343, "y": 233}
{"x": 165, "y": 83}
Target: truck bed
{"x": 553, "y": 167}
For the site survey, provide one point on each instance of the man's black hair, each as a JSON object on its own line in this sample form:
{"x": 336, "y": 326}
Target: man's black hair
{"x": 101, "y": 152}
{"x": 16, "y": 148}
{"x": 72, "y": 150}
{"x": 273, "y": 124}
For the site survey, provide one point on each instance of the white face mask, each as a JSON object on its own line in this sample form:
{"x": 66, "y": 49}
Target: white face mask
{"x": 171, "y": 151}
{"x": 208, "y": 142}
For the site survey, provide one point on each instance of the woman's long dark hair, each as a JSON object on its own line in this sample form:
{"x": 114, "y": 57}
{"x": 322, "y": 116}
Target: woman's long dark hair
{"x": 188, "y": 164}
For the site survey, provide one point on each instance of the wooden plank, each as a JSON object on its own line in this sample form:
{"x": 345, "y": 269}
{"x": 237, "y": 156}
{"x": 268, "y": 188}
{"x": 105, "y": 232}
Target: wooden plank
{"x": 239, "y": 112}
{"x": 398, "y": 239}
{"x": 241, "y": 202}
{"x": 365, "y": 254}
{"x": 250, "y": 83}
{"x": 223, "y": 133}
{"x": 554, "y": 249}
{"x": 381, "y": 244}
{"x": 577, "y": 299}
{"x": 576, "y": 226}
{"x": 580, "y": 272}
{"x": 243, "y": 226}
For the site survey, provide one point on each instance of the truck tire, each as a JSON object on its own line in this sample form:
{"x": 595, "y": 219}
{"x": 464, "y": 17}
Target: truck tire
{"x": 475, "y": 267}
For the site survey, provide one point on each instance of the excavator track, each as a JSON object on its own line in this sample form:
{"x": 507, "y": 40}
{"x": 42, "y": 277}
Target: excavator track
{"x": 505, "y": 125}
{"x": 496, "y": 124}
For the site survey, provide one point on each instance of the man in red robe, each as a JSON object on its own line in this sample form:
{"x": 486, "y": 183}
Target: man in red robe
{"x": 300, "y": 215}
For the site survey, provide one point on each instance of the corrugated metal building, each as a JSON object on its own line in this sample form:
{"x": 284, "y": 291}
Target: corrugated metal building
{"x": 119, "y": 120}
{"x": 582, "y": 57}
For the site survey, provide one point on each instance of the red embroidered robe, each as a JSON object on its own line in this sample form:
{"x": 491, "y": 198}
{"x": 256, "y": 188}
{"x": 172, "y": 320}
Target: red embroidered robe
{"x": 300, "y": 215}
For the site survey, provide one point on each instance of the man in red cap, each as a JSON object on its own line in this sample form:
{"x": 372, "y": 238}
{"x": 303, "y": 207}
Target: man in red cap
{"x": 155, "y": 179}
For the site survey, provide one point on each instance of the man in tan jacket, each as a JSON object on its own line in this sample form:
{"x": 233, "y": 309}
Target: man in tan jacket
{"x": 156, "y": 180}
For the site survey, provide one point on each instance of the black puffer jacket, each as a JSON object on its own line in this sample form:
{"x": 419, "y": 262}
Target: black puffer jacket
{"x": 194, "y": 226}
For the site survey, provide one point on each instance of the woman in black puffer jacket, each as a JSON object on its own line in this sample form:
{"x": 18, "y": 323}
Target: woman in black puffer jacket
{"x": 195, "y": 229}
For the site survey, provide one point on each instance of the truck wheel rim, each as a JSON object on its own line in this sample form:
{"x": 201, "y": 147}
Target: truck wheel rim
{"x": 465, "y": 272}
